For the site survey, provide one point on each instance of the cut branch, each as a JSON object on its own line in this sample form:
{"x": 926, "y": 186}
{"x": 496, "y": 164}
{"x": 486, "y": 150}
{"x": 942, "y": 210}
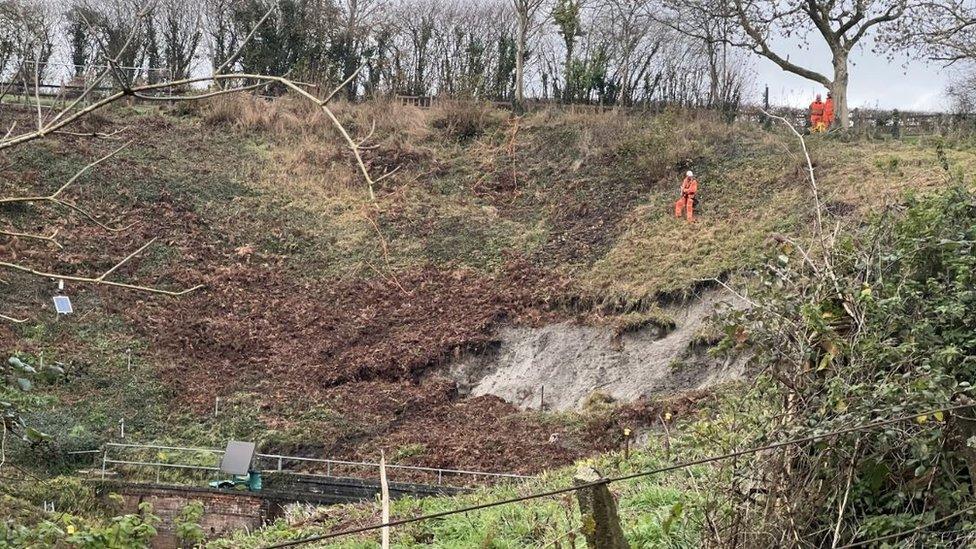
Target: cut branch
{"x": 101, "y": 280}
{"x": 233, "y": 57}
{"x": 344, "y": 84}
{"x": 54, "y": 197}
{"x": 52, "y": 239}
{"x": 297, "y": 87}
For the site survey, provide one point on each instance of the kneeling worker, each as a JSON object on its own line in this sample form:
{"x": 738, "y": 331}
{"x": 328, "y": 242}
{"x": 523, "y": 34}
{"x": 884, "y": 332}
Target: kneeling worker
{"x": 689, "y": 187}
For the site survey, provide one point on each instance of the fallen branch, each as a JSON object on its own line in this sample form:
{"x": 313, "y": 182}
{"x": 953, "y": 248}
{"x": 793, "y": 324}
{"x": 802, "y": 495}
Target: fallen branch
{"x": 31, "y": 236}
{"x": 93, "y": 133}
{"x": 818, "y": 208}
{"x": 54, "y": 197}
{"x": 344, "y": 84}
{"x": 296, "y": 87}
{"x": 233, "y": 57}
{"x": 101, "y": 279}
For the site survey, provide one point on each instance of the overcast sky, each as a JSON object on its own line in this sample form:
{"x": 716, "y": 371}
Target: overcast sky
{"x": 875, "y": 81}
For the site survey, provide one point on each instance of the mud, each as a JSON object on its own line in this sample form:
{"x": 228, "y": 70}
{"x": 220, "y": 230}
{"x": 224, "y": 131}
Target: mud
{"x": 560, "y": 366}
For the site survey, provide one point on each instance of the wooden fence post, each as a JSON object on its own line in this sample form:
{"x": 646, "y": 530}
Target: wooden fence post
{"x": 598, "y": 510}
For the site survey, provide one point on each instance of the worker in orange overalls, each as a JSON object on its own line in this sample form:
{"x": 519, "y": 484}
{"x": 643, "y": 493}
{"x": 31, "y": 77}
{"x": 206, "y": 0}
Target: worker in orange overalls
{"x": 828, "y": 117}
{"x": 689, "y": 188}
{"x": 816, "y": 115}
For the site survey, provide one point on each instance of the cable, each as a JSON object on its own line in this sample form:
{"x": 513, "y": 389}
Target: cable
{"x": 604, "y": 481}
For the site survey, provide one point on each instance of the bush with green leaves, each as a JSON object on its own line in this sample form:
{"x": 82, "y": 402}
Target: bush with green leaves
{"x": 124, "y": 532}
{"x": 872, "y": 326}
{"x": 187, "y": 525}
{"x": 17, "y": 379}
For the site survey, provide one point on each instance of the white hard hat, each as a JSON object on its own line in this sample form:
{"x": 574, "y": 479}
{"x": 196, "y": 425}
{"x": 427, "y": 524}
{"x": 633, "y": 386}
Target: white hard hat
{"x": 689, "y": 174}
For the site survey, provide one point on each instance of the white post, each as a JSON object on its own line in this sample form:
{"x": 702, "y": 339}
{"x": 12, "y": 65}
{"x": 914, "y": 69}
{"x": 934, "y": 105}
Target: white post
{"x": 385, "y": 498}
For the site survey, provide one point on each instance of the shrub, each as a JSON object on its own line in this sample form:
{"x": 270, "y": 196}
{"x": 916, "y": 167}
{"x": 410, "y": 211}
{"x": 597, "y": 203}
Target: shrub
{"x": 465, "y": 120}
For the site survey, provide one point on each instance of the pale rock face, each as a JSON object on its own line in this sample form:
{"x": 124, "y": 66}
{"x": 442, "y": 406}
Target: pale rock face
{"x": 573, "y": 361}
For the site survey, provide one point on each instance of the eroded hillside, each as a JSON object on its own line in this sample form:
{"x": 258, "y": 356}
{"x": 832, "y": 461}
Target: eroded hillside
{"x": 327, "y": 324}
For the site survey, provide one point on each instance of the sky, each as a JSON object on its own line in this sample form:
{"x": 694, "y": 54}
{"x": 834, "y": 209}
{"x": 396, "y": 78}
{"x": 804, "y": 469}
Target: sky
{"x": 875, "y": 80}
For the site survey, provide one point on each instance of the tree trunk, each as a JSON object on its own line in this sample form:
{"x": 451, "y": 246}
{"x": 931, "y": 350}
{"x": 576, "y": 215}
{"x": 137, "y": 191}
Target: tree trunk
{"x": 839, "y": 90}
{"x": 520, "y": 63}
{"x": 569, "y": 91}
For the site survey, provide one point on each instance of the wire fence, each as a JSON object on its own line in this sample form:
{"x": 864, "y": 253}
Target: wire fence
{"x": 185, "y": 465}
{"x": 22, "y": 84}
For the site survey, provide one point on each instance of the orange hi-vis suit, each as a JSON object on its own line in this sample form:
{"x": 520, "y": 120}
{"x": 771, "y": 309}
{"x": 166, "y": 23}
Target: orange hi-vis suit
{"x": 816, "y": 115}
{"x": 828, "y": 117}
{"x": 689, "y": 187}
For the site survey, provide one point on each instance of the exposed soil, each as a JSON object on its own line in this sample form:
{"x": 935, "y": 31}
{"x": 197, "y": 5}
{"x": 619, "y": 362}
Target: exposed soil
{"x": 351, "y": 361}
{"x": 566, "y": 363}
{"x": 359, "y": 348}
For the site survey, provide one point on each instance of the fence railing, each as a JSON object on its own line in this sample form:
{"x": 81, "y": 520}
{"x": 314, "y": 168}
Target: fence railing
{"x": 116, "y": 457}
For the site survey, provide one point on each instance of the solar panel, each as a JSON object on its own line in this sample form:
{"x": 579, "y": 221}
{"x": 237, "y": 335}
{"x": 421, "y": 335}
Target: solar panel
{"x": 237, "y": 458}
{"x": 62, "y": 304}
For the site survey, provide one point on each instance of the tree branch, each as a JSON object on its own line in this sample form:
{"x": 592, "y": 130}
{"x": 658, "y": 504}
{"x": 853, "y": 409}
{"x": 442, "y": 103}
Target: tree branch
{"x": 101, "y": 280}
{"x": 54, "y": 198}
{"x": 344, "y": 83}
{"x": 762, "y": 48}
{"x": 51, "y": 239}
{"x": 227, "y": 62}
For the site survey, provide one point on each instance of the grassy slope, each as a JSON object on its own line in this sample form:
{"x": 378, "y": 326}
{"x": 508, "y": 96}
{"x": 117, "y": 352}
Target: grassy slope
{"x": 307, "y": 309}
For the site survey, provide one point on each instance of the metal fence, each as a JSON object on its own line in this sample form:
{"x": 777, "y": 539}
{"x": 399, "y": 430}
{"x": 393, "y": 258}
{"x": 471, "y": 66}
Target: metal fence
{"x": 196, "y": 464}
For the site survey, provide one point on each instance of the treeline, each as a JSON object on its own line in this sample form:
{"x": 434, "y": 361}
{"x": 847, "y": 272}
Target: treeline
{"x": 592, "y": 51}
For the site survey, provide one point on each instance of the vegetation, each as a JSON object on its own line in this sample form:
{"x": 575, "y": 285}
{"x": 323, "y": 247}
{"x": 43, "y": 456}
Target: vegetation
{"x": 885, "y": 332}
{"x": 874, "y": 325}
{"x": 552, "y": 216}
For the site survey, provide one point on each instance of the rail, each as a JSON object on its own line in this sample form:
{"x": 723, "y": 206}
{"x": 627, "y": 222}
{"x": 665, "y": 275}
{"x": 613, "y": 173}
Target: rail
{"x": 280, "y": 463}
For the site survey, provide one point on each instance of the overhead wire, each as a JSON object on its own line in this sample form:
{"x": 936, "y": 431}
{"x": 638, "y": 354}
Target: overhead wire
{"x": 620, "y": 478}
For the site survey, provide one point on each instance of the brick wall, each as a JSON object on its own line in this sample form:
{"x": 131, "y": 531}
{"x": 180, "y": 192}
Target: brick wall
{"x": 223, "y": 512}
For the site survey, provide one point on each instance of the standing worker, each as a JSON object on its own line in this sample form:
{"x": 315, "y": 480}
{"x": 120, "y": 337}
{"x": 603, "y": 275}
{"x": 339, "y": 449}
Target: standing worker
{"x": 817, "y": 115}
{"x": 828, "y": 117}
{"x": 689, "y": 188}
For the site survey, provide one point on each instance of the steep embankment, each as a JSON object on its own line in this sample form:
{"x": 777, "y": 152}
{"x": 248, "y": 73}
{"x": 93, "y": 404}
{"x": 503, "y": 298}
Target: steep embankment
{"x": 328, "y": 325}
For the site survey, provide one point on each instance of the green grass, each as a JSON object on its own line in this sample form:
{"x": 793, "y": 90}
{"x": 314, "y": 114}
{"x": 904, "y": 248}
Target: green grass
{"x": 654, "y": 513}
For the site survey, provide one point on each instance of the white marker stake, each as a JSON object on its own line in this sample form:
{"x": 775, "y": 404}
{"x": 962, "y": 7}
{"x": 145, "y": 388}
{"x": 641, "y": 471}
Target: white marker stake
{"x": 385, "y": 495}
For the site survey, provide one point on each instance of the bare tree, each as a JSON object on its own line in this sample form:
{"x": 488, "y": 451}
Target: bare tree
{"x": 527, "y": 25}
{"x": 355, "y": 19}
{"x": 962, "y": 93}
{"x": 220, "y": 29}
{"x": 762, "y": 26}
{"x": 27, "y": 30}
{"x": 180, "y": 23}
{"x": 939, "y": 30}
{"x": 636, "y": 38}
{"x": 118, "y": 35}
